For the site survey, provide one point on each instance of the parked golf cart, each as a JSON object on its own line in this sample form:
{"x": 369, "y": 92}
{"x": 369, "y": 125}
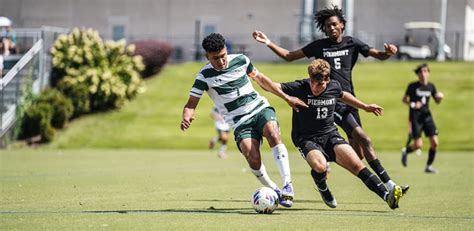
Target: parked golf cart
{"x": 422, "y": 41}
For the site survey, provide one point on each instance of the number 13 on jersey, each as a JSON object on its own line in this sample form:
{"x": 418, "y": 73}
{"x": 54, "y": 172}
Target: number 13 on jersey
{"x": 322, "y": 113}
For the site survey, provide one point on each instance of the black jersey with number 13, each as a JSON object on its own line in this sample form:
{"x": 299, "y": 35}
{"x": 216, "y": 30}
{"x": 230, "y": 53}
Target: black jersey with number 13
{"x": 318, "y": 118}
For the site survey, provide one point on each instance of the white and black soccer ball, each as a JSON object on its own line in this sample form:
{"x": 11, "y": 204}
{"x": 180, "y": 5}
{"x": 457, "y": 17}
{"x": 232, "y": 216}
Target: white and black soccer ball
{"x": 264, "y": 200}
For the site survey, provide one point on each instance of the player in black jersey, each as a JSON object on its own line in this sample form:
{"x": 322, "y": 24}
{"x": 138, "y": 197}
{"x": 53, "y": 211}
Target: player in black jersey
{"x": 417, "y": 97}
{"x": 341, "y": 52}
{"x": 316, "y": 137}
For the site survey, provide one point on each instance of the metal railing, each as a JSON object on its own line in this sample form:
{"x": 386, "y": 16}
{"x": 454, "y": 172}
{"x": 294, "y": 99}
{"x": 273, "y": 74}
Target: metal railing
{"x": 30, "y": 72}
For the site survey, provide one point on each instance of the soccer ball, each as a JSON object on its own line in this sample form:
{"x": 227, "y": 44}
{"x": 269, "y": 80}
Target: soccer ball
{"x": 264, "y": 200}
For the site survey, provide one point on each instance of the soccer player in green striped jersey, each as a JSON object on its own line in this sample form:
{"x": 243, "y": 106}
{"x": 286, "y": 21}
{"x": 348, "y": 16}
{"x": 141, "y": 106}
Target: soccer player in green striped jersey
{"x": 226, "y": 80}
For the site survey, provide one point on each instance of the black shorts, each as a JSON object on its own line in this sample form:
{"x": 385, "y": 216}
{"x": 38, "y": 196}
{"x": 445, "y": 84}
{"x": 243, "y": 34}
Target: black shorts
{"x": 423, "y": 122}
{"x": 325, "y": 144}
{"x": 347, "y": 118}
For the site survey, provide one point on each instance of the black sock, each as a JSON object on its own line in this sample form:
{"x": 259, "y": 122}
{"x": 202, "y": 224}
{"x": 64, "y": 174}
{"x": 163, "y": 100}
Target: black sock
{"x": 408, "y": 141}
{"x": 409, "y": 149}
{"x": 319, "y": 179}
{"x": 373, "y": 183}
{"x": 431, "y": 156}
{"x": 379, "y": 170}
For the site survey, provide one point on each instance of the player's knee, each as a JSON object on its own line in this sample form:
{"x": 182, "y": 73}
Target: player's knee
{"x": 365, "y": 141}
{"x": 224, "y": 137}
{"x": 417, "y": 145}
{"x": 273, "y": 138}
{"x": 320, "y": 166}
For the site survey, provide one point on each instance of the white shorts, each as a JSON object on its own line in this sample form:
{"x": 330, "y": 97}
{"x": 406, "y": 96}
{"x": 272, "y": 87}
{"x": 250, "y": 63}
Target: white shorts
{"x": 222, "y": 126}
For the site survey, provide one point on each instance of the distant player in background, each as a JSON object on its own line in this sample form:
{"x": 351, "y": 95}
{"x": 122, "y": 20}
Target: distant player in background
{"x": 226, "y": 80}
{"x": 341, "y": 52}
{"x": 316, "y": 137}
{"x": 417, "y": 97}
{"x": 222, "y": 129}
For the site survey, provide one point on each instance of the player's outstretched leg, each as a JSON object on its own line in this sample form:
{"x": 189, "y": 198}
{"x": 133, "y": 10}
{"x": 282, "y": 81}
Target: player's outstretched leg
{"x": 280, "y": 154}
{"x": 323, "y": 189}
{"x": 392, "y": 197}
{"x": 369, "y": 153}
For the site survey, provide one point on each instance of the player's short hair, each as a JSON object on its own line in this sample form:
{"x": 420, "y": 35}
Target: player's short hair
{"x": 321, "y": 16}
{"x": 213, "y": 43}
{"x": 421, "y": 66}
{"x": 319, "y": 70}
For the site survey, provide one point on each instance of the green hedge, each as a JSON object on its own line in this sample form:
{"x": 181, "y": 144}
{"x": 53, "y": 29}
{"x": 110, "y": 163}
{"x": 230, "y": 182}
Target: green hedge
{"x": 96, "y": 75}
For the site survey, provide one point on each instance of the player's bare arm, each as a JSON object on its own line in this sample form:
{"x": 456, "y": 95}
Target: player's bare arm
{"x": 348, "y": 98}
{"x": 268, "y": 85}
{"x": 390, "y": 50}
{"x": 188, "y": 112}
{"x": 282, "y": 52}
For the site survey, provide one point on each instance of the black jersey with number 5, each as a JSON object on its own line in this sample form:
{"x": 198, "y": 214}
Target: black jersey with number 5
{"x": 341, "y": 56}
{"x": 318, "y": 118}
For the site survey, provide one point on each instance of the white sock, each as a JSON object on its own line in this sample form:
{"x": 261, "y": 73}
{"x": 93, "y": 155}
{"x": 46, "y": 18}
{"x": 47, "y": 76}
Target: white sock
{"x": 263, "y": 177}
{"x": 280, "y": 154}
{"x": 223, "y": 148}
{"x": 390, "y": 184}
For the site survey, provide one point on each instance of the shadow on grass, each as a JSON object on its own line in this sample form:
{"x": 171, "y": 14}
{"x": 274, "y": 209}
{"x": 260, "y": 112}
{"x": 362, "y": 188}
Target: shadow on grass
{"x": 296, "y": 201}
{"x": 242, "y": 211}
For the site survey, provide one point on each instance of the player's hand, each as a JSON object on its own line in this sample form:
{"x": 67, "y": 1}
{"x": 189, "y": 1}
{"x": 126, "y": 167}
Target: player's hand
{"x": 296, "y": 103}
{"x": 390, "y": 49}
{"x": 439, "y": 95}
{"x": 186, "y": 123}
{"x": 260, "y": 37}
{"x": 418, "y": 104}
{"x": 374, "y": 108}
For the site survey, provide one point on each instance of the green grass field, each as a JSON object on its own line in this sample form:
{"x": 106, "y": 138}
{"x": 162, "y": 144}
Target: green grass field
{"x": 133, "y": 169}
{"x": 194, "y": 190}
{"x": 151, "y": 121}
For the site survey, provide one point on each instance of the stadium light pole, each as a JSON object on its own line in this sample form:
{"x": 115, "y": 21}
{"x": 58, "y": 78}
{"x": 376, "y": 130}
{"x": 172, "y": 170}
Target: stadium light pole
{"x": 441, "y": 56}
{"x": 197, "y": 38}
{"x": 349, "y": 13}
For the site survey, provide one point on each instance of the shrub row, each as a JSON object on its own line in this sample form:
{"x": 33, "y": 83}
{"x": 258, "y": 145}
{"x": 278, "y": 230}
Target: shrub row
{"x": 90, "y": 75}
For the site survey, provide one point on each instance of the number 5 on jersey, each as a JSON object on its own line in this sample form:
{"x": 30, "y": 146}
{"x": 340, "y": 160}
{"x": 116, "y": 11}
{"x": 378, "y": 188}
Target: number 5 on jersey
{"x": 337, "y": 63}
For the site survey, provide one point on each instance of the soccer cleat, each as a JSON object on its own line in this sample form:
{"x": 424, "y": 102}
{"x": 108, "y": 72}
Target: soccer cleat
{"x": 328, "y": 199}
{"x": 287, "y": 194}
{"x": 285, "y": 198}
{"x": 394, "y": 197}
{"x": 222, "y": 155}
{"x": 404, "y": 157}
{"x": 405, "y": 189}
{"x": 430, "y": 169}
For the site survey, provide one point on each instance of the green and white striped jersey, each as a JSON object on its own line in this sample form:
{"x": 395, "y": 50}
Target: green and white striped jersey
{"x": 230, "y": 89}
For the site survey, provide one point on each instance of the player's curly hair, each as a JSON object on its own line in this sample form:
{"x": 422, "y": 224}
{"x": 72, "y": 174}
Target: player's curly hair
{"x": 321, "y": 16}
{"x": 213, "y": 42}
{"x": 319, "y": 70}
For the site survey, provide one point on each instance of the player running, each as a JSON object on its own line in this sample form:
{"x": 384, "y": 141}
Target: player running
{"x": 341, "y": 52}
{"x": 316, "y": 137}
{"x": 226, "y": 80}
{"x": 222, "y": 129}
{"x": 417, "y": 97}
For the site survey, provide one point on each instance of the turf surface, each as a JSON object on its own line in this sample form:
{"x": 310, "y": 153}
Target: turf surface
{"x": 194, "y": 190}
